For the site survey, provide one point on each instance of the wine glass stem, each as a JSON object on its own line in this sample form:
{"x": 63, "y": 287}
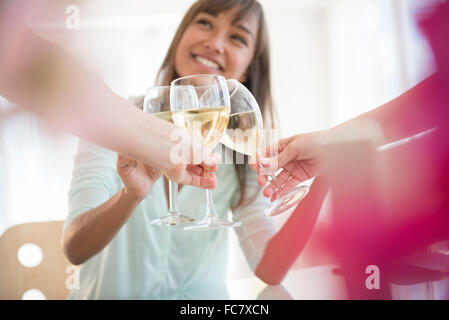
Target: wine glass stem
{"x": 173, "y": 201}
{"x": 210, "y": 208}
{"x": 271, "y": 177}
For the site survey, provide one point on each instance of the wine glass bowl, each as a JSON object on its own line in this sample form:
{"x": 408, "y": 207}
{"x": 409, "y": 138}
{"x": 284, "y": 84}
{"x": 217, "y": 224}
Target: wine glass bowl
{"x": 157, "y": 102}
{"x": 206, "y": 116}
{"x": 245, "y": 134}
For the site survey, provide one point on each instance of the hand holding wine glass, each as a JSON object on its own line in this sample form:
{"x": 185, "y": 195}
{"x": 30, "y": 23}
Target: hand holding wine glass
{"x": 200, "y": 103}
{"x": 300, "y": 156}
{"x": 245, "y": 135}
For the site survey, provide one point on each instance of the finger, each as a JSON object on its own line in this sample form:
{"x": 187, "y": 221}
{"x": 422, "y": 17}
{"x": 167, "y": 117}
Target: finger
{"x": 287, "y": 155}
{"x": 265, "y": 162}
{"x": 280, "y": 179}
{"x": 205, "y": 182}
{"x": 268, "y": 191}
{"x": 196, "y": 170}
{"x": 273, "y": 197}
{"x": 288, "y": 187}
{"x": 275, "y": 148}
{"x": 123, "y": 161}
{"x": 269, "y": 166}
{"x": 261, "y": 180}
{"x": 210, "y": 168}
{"x": 253, "y": 164}
{"x": 153, "y": 173}
{"x": 211, "y": 159}
{"x": 125, "y": 165}
{"x": 208, "y": 182}
{"x": 297, "y": 171}
{"x": 213, "y": 168}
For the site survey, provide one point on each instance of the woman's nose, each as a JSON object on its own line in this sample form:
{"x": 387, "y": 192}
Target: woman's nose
{"x": 215, "y": 43}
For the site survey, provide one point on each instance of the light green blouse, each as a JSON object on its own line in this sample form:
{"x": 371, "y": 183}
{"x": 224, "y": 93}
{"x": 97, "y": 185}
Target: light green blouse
{"x": 144, "y": 261}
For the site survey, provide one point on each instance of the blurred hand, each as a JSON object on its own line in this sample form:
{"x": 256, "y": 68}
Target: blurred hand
{"x": 17, "y": 45}
{"x": 301, "y": 157}
{"x": 40, "y": 77}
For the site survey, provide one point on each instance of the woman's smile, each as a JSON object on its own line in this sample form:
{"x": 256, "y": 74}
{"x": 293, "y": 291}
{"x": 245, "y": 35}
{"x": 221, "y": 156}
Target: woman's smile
{"x": 207, "y": 63}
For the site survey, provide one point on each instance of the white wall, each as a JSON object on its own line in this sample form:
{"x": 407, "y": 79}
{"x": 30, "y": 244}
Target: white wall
{"x": 300, "y": 68}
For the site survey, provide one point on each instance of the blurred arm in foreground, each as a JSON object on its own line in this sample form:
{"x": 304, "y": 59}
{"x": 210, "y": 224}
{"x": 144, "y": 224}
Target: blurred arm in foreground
{"x": 42, "y": 78}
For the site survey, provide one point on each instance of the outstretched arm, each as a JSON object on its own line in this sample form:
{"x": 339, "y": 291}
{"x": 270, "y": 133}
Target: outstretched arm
{"x": 285, "y": 247}
{"x": 42, "y": 78}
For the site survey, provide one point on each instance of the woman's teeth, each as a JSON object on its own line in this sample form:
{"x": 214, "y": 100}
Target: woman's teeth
{"x": 207, "y": 63}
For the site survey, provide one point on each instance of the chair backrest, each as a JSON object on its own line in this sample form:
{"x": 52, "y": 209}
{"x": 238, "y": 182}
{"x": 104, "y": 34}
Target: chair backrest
{"x": 49, "y": 277}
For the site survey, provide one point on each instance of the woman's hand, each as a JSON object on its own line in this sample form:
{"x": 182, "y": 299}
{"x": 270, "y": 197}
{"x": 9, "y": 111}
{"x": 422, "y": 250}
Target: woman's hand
{"x": 301, "y": 157}
{"x": 137, "y": 177}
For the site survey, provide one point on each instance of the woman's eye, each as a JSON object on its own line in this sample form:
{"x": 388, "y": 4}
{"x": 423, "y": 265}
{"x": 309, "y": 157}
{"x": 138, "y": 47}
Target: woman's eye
{"x": 240, "y": 39}
{"x": 204, "y": 23}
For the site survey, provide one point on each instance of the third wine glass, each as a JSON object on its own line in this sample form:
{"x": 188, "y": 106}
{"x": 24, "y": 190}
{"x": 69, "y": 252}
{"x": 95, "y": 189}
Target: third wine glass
{"x": 245, "y": 135}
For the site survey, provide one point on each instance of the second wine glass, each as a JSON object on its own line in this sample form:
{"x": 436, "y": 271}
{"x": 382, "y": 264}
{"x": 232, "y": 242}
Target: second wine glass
{"x": 207, "y": 119}
{"x": 157, "y": 102}
{"x": 245, "y": 135}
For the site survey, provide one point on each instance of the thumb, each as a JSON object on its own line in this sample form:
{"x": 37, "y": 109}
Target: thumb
{"x": 286, "y": 155}
{"x": 272, "y": 164}
{"x": 124, "y": 163}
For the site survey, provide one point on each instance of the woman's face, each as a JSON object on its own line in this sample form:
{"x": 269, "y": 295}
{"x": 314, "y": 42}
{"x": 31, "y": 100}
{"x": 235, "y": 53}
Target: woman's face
{"x": 214, "y": 44}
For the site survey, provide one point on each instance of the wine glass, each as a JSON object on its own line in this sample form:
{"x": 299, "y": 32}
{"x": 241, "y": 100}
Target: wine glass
{"x": 157, "y": 102}
{"x": 245, "y": 135}
{"x": 206, "y": 119}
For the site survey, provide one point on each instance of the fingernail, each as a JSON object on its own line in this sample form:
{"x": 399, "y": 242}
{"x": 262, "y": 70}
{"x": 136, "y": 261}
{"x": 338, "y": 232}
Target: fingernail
{"x": 264, "y": 161}
{"x": 267, "y": 192}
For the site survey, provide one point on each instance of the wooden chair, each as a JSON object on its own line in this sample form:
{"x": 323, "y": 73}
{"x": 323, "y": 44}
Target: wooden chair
{"x": 49, "y": 276}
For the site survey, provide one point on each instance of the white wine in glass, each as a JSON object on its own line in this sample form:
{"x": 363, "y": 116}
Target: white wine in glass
{"x": 166, "y": 115}
{"x": 208, "y": 124}
{"x": 157, "y": 102}
{"x": 244, "y": 135}
{"x": 206, "y": 116}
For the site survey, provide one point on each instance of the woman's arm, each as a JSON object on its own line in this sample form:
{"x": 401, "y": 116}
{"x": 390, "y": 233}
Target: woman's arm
{"x": 284, "y": 248}
{"x": 42, "y": 78}
{"x": 91, "y": 231}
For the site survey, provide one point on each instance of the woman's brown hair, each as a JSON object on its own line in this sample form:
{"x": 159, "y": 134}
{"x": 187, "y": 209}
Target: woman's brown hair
{"x": 258, "y": 79}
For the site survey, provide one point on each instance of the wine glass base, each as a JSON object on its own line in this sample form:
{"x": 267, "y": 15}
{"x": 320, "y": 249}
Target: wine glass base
{"x": 287, "y": 201}
{"x": 213, "y": 224}
{"x": 173, "y": 220}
